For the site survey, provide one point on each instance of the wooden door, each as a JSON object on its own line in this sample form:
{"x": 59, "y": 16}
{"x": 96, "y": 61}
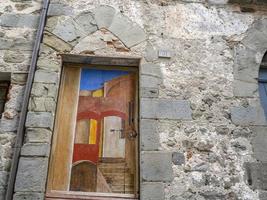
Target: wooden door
{"x": 95, "y": 120}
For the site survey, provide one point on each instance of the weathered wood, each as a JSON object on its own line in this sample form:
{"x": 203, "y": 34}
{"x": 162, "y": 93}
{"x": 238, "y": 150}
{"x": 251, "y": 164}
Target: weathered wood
{"x": 61, "y": 157}
{"x": 100, "y": 60}
{"x": 62, "y": 195}
{"x": 101, "y": 67}
{"x": 102, "y": 185}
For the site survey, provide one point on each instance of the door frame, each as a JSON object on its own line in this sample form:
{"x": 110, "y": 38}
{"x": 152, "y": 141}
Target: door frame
{"x": 130, "y": 64}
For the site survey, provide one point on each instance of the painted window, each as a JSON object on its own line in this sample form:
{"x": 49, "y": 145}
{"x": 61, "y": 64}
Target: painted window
{"x": 95, "y": 143}
{"x": 263, "y": 83}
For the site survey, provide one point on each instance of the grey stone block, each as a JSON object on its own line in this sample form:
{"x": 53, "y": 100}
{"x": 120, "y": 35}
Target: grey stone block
{"x": 16, "y": 44}
{"x": 45, "y": 77}
{"x": 156, "y": 166}
{"x": 39, "y": 120}
{"x": 28, "y": 196}
{"x": 19, "y": 78}
{"x": 104, "y": 16}
{"x": 2, "y": 193}
{"x": 19, "y": 20}
{"x": 48, "y": 64}
{"x": 87, "y": 22}
{"x": 245, "y": 89}
{"x": 165, "y": 109}
{"x": 9, "y": 125}
{"x": 149, "y": 92}
{"x": 56, "y": 9}
{"x": 246, "y": 66}
{"x": 178, "y": 158}
{"x": 262, "y": 195}
{"x": 31, "y": 174}
{"x": 255, "y": 39}
{"x": 261, "y": 24}
{"x": 14, "y": 57}
{"x": 147, "y": 81}
{"x": 3, "y": 179}
{"x": 152, "y": 191}
{"x": 151, "y": 70}
{"x": 256, "y": 175}
{"x": 38, "y": 135}
{"x": 259, "y": 143}
{"x": 22, "y": 44}
{"x": 39, "y": 104}
{"x": 35, "y": 149}
{"x": 44, "y": 90}
{"x": 149, "y": 134}
{"x": 68, "y": 30}
{"x": 5, "y": 43}
{"x": 128, "y": 32}
{"x": 248, "y": 116}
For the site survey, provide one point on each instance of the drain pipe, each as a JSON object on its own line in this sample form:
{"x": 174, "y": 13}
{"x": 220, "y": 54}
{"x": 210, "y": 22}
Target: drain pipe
{"x": 24, "y": 109}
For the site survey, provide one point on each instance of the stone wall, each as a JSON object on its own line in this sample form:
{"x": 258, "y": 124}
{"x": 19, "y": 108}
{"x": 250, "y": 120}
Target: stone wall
{"x": 18, "y": 22}
{"x": 202, "y": 128}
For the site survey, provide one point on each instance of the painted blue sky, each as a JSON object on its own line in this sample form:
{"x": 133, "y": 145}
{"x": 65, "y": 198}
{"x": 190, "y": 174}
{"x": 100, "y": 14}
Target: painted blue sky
{"x": 93, "y": 79}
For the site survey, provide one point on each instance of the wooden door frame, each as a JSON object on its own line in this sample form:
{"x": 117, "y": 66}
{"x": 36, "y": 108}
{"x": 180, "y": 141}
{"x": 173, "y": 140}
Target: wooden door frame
{"x": 130, "y": 64}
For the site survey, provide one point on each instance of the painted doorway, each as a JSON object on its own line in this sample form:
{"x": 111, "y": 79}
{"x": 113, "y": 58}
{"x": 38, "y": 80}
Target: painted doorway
{"x": 97, "y": 150}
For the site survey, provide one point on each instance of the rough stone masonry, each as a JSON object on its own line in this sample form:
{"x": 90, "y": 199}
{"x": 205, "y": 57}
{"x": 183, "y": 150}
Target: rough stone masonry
{"x": 203, "y": 132}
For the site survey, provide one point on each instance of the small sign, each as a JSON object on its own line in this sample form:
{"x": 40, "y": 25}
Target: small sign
{"x": 164, "y": 54}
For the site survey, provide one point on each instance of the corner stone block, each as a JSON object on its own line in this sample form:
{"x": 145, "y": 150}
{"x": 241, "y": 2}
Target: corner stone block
{"x": 39, "y": 120}
{"x": 248, "y": 116}
{"x": 245, "y": 89}
{"x": 48, "y": 64}
{"x": 28, "y": 196}
{"x": 151, "y": 69}
{"x": 255, "y": 39}
{"x": 246, "y": 66}
{"x": 104, "y": 16}
{"x": 149, "y": 135}
{"x": 149, "y": 92}
{"x": 43, "y": 90}
{"x": 35, "y": 149}
{"x": 127, "y": 31}
{"x": 45, "y": 77}
{"x": 165, "y": 109}
{"x": 152, "y": 191}
{"x": 20, "y": 20}
{"x": 31, "y": 174}
{"x": 256, "y": 175}
{"x": 262, "y": 195}
{"x": 38, "y": 135}
{"x": 156, "y": 166}
{"x": 259, "y": 143}
{"x": 147, "y": 81}
{"x": 261, "y": 24}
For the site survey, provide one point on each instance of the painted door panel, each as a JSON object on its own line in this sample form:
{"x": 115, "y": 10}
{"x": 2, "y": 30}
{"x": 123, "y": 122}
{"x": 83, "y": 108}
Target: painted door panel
{"x": 113, "y": 144}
